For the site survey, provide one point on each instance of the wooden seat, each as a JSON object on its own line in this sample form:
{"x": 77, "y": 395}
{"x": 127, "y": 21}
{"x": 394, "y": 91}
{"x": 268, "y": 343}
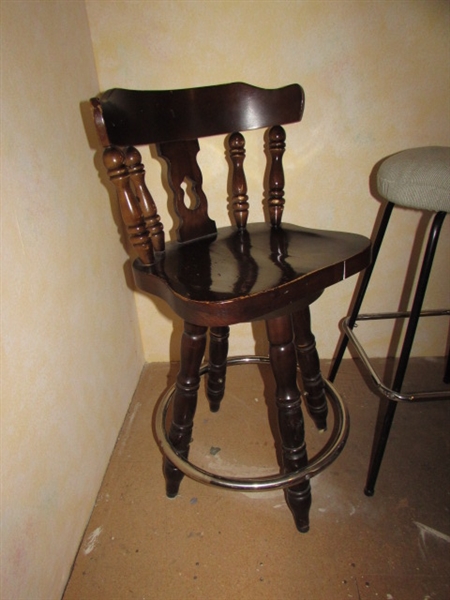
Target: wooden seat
{"x": 216, "y": 277}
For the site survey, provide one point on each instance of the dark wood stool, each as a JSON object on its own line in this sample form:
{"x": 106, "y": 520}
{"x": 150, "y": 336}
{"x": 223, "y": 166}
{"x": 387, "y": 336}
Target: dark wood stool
{"x": 216, "y": 277}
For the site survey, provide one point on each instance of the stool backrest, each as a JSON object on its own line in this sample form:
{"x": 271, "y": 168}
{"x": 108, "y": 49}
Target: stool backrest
{"x": 174, "y": 120}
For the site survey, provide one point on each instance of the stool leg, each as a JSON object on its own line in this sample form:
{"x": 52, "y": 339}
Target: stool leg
{"x": 218, "y": 351}
{"x": 193, "y": 344}
{"x": 308, "y": 361}
{"x": 363, "y": 287}
{"x": 387, "y": 407}
{"x": 290, "y": 419}
{"x": 446, "y": 378}
{"x": 386, "y": 413}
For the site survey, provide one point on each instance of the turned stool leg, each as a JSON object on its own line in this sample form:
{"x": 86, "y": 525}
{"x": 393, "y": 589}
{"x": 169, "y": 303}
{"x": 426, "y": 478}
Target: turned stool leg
{"x": 290, "y": 419}
{"x": 218, "y": 352}
{"x": 193, "y": 344}
{"x": 308, "y": 361}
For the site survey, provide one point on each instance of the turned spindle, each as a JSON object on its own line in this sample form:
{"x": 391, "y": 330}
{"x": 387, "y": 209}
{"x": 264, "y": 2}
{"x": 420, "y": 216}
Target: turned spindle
{"x": 133, "y": 161}
{"x": 277, "y": 137}
{"x": 114, "y": 161}
{"x": 238, "y": 184}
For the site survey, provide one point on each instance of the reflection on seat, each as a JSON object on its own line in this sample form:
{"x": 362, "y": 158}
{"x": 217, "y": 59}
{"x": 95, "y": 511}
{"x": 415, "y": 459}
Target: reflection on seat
{"x": 236, "y": 264}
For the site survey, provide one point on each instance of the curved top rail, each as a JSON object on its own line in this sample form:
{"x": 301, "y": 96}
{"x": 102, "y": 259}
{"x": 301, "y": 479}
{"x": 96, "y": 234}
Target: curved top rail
{"x": 134, "y": 117}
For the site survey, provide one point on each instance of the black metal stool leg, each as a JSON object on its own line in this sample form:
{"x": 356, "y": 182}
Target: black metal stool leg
{"x": 387, "y": 412}
{"x": 363, "y": 288}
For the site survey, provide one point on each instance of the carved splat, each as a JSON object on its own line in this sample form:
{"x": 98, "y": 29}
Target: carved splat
{"x": 133, "y": 161}
{"x": 183, "y": 169}
{"x": 239, "y": 183}
{"x": 114, "y": 161}
{"x": 277, "y": 137}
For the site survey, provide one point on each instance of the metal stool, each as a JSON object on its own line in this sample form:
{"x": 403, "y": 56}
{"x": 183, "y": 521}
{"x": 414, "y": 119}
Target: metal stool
{"x": 418, "y": 178}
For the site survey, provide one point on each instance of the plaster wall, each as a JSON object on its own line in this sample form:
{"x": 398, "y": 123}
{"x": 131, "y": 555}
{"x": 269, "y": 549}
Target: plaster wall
{"x": 376, "y": 76}
{"x": 71, "y": 350}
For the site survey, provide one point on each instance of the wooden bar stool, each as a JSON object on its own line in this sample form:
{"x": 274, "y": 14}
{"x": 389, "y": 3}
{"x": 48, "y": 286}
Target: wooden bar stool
{"x": 418, "y": 178}
{"x": 216, "y": 277}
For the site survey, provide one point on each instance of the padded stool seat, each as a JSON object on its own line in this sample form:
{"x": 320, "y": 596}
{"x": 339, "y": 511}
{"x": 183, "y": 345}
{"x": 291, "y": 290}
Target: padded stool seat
{"x": 418, "y": 178}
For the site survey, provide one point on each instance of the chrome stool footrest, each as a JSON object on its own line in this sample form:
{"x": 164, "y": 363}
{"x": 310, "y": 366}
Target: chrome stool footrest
{"x": 388, "y": 392}
{"x": 329, "y": 452}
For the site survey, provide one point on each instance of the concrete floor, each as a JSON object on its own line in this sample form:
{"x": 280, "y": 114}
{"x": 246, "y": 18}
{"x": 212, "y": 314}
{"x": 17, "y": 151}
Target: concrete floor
{"x": 213, "y": 544}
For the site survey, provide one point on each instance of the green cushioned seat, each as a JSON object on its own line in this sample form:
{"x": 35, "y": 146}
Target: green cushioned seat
{"x": 417, "y": 178}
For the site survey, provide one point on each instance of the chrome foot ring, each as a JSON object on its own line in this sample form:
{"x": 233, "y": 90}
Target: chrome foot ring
{"x": 329, "y": 452}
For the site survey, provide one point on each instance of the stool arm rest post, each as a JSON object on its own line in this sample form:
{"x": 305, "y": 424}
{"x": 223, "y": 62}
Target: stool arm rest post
{"x": 133, "y": 161}
{"x": 114, "y": 160}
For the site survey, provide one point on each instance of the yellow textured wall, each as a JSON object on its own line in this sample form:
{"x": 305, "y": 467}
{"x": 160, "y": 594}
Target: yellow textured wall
{"x": 71, "y": 352}
{"x": 376, "y": 76}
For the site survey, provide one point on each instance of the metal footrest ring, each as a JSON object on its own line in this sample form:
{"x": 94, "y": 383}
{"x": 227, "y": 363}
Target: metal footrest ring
{"x": 329, "y": 452}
